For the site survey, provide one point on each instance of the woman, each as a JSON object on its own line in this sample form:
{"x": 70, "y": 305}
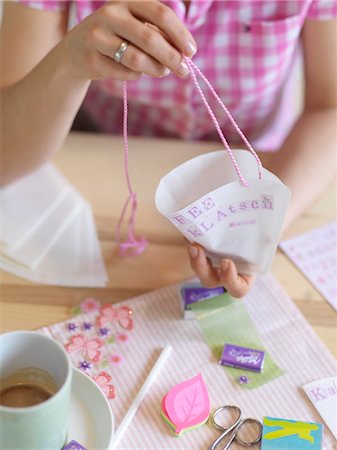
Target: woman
{"x": 248, "y": 49}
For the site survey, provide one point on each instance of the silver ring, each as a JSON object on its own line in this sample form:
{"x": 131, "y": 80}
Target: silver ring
{"x": 120, "y": 52}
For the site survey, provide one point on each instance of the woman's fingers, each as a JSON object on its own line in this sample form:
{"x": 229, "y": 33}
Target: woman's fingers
{"x": 139, "y": 61}
{"x": 154, "y": 29}
{"x": 156, "y": 40}
{"x": 166, "y": 20}
{"x": 133, "y": 58}
{"x": 152, "y": 43}
{"x": 236, "y": 284}
{"x": 201, "y": 265}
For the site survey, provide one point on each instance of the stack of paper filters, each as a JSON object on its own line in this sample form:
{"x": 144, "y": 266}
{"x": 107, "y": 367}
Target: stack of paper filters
{"x": 48, "y": 234}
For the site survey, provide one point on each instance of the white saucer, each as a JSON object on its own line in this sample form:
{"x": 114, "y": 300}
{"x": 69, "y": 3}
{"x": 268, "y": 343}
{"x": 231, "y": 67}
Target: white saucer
{"x": 91, "y": 421}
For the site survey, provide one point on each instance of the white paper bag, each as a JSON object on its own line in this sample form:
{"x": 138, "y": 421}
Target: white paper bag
{"x": 205, "y": 201}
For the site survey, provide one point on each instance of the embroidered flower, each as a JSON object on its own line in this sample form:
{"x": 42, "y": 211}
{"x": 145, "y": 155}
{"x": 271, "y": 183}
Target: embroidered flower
{"x": 122, "y": 338}
{"x": 103, "y": 379}
{"x": 90, "y": 305}
{"x": 87, "y": 326}
{"x": 85, "y": 365}
{"x": 122, "y": 315}
{"x": 88, "y": 347}
{"x": 72, "y": 326}
{"x": 116, "y": 359}
{"x": 104, "y": 331}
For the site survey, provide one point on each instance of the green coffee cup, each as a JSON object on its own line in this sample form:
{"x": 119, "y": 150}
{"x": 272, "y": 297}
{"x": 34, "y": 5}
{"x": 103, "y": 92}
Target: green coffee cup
{"x": 33, "y": 362}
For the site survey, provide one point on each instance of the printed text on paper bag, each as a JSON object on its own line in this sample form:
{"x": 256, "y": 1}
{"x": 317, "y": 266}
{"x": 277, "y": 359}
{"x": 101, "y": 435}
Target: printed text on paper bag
{"x": 215, "y": 214}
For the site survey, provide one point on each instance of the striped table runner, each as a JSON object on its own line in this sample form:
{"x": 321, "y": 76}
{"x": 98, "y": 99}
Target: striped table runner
{"x": 129, "y": 351}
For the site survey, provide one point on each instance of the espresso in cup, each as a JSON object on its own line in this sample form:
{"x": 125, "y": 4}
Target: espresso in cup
{"x": 26, "y": 387}
{"x": 35, "y": 391}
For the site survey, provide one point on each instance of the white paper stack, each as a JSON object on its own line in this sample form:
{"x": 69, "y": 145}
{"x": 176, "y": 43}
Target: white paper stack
{"x": 47, "y": 232}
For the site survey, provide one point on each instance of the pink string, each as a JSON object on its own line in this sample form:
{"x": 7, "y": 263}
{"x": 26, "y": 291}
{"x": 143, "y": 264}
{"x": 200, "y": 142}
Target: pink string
{"x": 131, "y": 246}
{"x": 192, "y": 66}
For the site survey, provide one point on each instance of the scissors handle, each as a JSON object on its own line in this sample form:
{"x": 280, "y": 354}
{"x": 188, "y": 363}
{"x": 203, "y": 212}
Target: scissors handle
{"x": 234, "y": 429}
{"x": 230, "y": 440}
{"x": 259, "y": 434}
{"x": 235, "y": 434}
{"x": 222, "y": 435}
{"x": 225, "y": 430}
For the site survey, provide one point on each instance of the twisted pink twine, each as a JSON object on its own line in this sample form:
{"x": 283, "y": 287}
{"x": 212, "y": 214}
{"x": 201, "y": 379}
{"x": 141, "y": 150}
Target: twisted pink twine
{"x": 132, "y": 245}
{"x": 193, "y": 68}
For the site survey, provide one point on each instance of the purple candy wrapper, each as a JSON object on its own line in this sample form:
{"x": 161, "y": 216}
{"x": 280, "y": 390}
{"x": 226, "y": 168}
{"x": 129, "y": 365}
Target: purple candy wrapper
{"x": 242, "y": 358}
{"x": 73, "y": 445}
{"x": 193, "y": 293}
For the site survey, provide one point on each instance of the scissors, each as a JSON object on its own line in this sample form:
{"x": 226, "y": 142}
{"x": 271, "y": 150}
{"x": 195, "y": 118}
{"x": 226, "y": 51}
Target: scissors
{"x": 234, "y": 428}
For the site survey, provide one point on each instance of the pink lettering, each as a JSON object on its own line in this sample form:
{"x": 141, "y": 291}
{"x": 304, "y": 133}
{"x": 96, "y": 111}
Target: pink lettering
{"x": 221, "y": 215}
{"x": 242, "y": 222}
{"x": 255, "y": 204}
{"x": 331, "y": 391}
{"x": 267, "y": 202}
{"x": 194, "y": 232}
{"x": 318, "y": 395}
{"x": 206, "y": 226}
{"x": 194, "y": 212}
{"x": 180, "y": 219}
{"x": 208, "y": 203}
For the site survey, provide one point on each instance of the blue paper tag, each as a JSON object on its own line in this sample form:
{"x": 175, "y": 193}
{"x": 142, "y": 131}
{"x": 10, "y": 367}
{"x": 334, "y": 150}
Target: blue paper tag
{"x": 283, "y": 434}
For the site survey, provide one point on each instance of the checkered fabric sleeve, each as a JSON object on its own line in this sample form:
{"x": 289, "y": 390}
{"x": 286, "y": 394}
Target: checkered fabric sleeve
{"x": 51, "y": 5}
{"x": 323, "y": 10}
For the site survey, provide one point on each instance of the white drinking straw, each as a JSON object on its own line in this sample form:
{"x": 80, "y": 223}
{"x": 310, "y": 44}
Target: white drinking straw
{"x": 141, "y": 395}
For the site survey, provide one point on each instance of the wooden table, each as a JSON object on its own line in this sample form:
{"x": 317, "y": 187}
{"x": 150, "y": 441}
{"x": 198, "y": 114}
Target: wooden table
{"x": 94, "y": 165}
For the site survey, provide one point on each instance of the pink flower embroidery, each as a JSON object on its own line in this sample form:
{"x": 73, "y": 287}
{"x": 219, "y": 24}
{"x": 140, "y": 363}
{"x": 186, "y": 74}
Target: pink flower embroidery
{"x": 103, "y": 379}
{"x": 116, "y": 359}
{"x": 90, "y": 305}
{"x": 89, "y": 348}
{"x": 122, "y": 337}
{"x": 122, "y": 315}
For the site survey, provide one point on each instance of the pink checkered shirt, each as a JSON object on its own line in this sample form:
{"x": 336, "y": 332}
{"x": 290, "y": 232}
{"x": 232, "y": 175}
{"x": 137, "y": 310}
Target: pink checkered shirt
{"x": 248, "y": 49}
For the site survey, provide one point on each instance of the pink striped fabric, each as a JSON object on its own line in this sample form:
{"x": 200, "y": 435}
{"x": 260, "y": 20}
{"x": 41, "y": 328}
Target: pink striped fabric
{"x": 249, "y": 51}
{"x": 158, "y": 321}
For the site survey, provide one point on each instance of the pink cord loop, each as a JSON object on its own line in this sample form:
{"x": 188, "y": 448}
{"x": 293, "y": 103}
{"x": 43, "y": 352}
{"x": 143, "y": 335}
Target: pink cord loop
{"x": 131, "y": 246}
{"x": 193, "y": 70}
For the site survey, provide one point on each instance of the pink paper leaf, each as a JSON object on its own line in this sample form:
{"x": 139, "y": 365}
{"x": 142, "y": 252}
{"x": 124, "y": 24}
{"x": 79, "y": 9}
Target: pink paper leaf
{"x": 187, "y": 404}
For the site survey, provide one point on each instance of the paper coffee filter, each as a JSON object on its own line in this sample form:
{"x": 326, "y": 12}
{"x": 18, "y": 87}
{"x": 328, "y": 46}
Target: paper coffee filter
{"x": 47, "y": 232}
{"x": 205, "y": 201}
{"x": 45, "y": 188}
{"x": 32, "y": 250}
{"x": 202, "y": 174}
{"x": 74, "y": 259}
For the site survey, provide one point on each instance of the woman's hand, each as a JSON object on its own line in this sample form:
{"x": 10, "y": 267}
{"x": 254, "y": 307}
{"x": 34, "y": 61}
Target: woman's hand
{"x": 236, "y": 284}
{"x": 156, "y": 37}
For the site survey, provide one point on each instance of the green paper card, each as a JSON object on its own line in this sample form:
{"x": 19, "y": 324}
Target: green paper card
{"x": 224, "y": 319}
